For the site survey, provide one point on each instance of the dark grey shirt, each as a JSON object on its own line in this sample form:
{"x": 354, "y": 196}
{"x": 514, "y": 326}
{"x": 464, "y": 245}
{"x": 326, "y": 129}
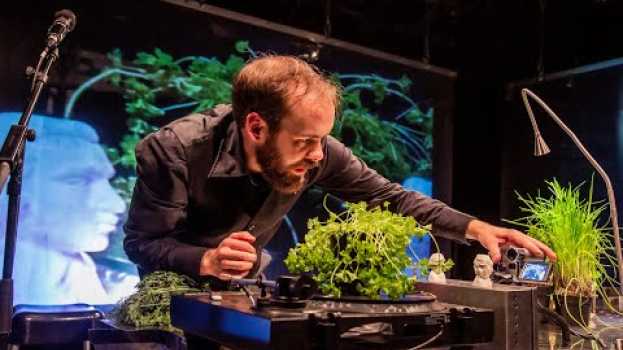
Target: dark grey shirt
{"x": 193, "y": 190}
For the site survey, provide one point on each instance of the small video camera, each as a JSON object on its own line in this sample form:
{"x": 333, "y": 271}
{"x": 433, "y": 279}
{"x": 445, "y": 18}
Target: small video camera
{"x": 518, "y": 266}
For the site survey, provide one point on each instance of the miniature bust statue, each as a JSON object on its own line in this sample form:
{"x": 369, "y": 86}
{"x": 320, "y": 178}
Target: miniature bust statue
{"x": 483, "y": 267}
{"x": 435, "y": 263}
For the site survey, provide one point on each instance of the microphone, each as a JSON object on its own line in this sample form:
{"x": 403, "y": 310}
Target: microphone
{"x": 541, "y": 148}
{"x": 64, "y": 22}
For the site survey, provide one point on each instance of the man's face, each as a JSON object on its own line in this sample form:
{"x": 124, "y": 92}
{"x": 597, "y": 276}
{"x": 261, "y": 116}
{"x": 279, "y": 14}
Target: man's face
{"x": 296, "y": 147}
{"x": 70, "y": 204}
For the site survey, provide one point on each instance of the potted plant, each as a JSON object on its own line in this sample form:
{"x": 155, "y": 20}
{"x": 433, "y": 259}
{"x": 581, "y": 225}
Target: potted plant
{"x": 570, "y": 225}
{"x": 360, "y": 251}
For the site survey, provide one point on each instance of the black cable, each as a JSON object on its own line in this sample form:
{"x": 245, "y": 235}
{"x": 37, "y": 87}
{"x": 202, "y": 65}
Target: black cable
{"x": 559, "y": 321}
{"x": 566, "y": 328}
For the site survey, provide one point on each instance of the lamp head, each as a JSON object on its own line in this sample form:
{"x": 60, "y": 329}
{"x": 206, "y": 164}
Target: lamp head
{"x": 540, "y": 147}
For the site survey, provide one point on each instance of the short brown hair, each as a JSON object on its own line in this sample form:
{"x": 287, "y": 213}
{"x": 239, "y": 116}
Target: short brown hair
{"x": 269, "y": 85}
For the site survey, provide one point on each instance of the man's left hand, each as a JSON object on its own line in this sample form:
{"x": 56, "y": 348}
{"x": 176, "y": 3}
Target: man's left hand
{"x": 493, "y": 237}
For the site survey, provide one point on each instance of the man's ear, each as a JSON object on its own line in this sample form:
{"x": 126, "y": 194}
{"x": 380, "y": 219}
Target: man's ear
{"x": 255, "y": 127}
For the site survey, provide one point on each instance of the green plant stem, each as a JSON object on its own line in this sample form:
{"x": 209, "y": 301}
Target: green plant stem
{"x": 435, "y": 242}
{"x": 193, "y": 58}
{"x": 92, "y": 81}
{"x": 407, "y": 131}
{"x": 367, "y": 77}
{"x": 413, "y": 145}
{"x": 381, "y": 248}
{"x": 178, "y": 106}
{"x": 390, "y": 91}
{"x": 581, "y": 324}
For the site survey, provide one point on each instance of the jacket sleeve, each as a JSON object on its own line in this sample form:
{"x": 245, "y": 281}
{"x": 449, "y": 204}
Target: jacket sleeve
{"x": 349, "y": 178}
{"x": 158, "y": 209}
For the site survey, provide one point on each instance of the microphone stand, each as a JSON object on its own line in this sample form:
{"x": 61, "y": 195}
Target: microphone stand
{"x": 541, "y": 148}
{"x": 11, "y": 164}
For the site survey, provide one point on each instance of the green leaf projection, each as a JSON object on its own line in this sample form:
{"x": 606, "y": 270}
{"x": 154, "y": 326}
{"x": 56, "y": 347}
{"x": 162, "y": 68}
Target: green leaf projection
{"x": 391, "y": 148}
{"x": 156, "y": 83}
{"x": 360, "y": 251}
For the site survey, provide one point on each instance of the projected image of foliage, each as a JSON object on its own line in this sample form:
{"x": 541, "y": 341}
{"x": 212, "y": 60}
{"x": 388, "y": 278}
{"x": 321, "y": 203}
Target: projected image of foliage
{"x": 154, "y": 84}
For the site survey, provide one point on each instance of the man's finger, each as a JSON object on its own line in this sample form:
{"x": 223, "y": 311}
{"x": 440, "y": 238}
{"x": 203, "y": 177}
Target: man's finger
{"x": 232, "y": 274}
{"x": 243, "y": 235}
{"x": 493, "y": 247}
{"x": 548, "y": 252}
{"x": 226, "y": 253}
{"x": 236, "y": 244}
{"x": 524, "y": 241}
{"x": 237, "y": 265}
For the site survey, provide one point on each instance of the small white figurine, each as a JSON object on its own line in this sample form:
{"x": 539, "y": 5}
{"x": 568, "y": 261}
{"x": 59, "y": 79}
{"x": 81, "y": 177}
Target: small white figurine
{"x": 483, "y": 267}
{"x": 435, "y": 263}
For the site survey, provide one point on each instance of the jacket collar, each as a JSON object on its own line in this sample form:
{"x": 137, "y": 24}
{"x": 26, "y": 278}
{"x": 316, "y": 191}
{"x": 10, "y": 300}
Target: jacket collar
{"x": 230, "y": 158}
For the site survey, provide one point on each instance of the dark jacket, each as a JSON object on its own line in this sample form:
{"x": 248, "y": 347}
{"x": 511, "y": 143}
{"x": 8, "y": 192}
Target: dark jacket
{"x": 193, "y": 190}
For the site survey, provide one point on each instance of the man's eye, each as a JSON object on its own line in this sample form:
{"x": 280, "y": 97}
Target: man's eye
{"x": 305, "y": 143}
{"x": 77, "y": 180}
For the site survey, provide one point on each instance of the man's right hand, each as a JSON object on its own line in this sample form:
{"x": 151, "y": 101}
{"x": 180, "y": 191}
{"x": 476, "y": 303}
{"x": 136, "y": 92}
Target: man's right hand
{"x": 233, "y": 258}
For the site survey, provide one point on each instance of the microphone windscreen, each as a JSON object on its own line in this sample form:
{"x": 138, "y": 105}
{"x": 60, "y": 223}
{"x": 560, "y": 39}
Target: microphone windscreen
{"x": 69, "y": 15}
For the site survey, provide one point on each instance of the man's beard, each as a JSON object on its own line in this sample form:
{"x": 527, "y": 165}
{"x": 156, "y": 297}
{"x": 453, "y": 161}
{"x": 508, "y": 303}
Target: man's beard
{"x": 281, "y": 179}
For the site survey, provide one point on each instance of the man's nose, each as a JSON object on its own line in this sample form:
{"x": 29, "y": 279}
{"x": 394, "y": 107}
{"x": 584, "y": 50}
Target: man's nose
{"x": 109, "y": 199}
{"x": 316, "y": 153}
{"x": 117, "y": 203}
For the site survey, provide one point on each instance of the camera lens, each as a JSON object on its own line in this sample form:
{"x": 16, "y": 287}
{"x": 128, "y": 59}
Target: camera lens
{"x": 511, "y": 254}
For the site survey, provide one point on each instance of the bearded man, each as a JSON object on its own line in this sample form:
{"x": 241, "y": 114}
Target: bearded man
{"x": 214, "y": 187}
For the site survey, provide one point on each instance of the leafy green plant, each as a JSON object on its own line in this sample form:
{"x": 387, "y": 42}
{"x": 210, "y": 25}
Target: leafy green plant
{"x": 360, "y": 250}
{"x": 149, "y": 306}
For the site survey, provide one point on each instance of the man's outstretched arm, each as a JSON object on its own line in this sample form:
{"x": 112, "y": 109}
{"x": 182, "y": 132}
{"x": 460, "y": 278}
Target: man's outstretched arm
{"x": 347, "y": 177}
{"x": 493, "y": 237}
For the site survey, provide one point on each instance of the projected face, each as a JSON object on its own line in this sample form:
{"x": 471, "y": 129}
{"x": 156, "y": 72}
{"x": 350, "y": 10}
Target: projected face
{"x": 68, "y": 207}
{"x": 69, "y": 204}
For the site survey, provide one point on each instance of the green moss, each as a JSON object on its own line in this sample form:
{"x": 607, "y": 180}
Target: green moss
{"x": 149, "y": 306}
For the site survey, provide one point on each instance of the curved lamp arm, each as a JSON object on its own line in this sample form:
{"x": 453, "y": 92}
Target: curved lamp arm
{"x": 541, "y": 148}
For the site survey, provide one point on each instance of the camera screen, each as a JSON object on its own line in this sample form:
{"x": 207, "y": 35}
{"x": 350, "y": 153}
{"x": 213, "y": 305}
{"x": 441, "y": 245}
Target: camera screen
{"x": 535, "y": 271}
